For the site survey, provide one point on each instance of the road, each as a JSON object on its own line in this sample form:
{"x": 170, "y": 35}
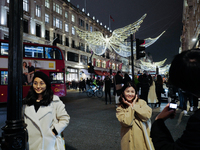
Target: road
{"x": 93, "y": 125}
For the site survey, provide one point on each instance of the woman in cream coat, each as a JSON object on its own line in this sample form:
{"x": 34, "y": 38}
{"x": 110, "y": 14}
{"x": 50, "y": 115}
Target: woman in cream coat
{"x": 40, "y": 109}
{"x": 131, "y": 113}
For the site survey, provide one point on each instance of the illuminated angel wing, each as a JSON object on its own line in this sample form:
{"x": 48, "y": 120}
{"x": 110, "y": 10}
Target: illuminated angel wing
{"x": 150, "y": 41}
{"x": 95, "y": 40}
{"x": 119, "y": 36}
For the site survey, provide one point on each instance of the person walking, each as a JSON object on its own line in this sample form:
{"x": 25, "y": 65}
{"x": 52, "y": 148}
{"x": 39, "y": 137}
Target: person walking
{"x": 107, "y": 84}
{"x": 159, "y": 89}
{"x": 118, "y": 81}
{"x": 44, "y": 114}
{"x": 144, "y": 85}
{"x": 126, "y": 78}
{"x": 133, "y": 113}
{"x": 152, "y": 98}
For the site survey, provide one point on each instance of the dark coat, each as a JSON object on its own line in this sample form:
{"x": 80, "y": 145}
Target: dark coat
{"x": 118, "y": 80}
{"x": 189, "y": 140}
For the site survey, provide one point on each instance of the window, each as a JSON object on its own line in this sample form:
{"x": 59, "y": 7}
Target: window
{"x": 66, "y": 42}
{"x": 57, "y": 22}
{"x": 57, "y": 8}
{"x": 90, "y": 28}
{"x": 54, "y": 21}
{"x": 38, "y": 30}
{"x": 73, "y": 18}
{"x": 57, "y": 77}
{"x": 60, "y": 23}
{"x": 83, "y": 59}
{"x": 86, "y": 26}
{"x": 33, "y": 51}
{"x": 25, "y": 28}
{"x": 81, "y": 22}
{"x": 46, "y": 18}
{"x": 4, "y": 77}
{"x": 47, "y": 37}
{"x": 72, "y": 57}
{"x": 66, "y": 28}
{"x": 54, "y": 6}
{"x": 66, "y": 15}
{"x": 73, "y": 30}
{"x": 25, "y": 5}
{"x": 4, "y": 48}
{"x": 47, "y": 3}
{"x": 38, "y": 11}
{"x": 52, "y": 53}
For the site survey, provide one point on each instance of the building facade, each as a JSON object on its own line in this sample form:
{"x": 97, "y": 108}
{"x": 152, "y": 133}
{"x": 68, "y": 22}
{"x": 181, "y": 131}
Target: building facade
{"x": 191, "y": 25}
{"x": 45, "y": 21}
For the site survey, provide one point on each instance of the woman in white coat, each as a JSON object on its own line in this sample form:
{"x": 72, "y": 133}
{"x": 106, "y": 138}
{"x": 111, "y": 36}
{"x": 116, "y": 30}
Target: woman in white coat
{"x": 41, "y": 108}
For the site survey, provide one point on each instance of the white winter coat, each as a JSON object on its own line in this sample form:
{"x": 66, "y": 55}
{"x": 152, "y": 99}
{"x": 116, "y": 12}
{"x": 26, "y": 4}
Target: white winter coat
{"x": 40, "y": 124}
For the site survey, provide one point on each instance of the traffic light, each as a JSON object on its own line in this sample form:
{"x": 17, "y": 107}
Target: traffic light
{"x": 90, "y": 68}
{"x": 140, "y": 49}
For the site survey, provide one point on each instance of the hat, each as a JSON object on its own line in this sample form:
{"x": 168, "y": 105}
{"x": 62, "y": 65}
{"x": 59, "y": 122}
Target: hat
{"x": 42, "y": 76}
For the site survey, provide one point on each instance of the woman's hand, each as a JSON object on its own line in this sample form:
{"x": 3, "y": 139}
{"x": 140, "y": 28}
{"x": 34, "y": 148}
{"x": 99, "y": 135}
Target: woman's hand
{"x": 166, "y": 113}
{"x": 134, "y": 101}
{"x": 128, "y": 103}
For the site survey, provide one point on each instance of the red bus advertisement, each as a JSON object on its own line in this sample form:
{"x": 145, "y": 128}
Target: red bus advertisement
{"x": 36, "y": 57}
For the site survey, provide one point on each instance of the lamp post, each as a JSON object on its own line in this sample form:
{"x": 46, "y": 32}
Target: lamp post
{"x": 14, "y": 132}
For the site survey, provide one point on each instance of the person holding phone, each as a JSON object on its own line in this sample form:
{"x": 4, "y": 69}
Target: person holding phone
{"x": 184, "y": 73}
{"x": 131, "y": 113}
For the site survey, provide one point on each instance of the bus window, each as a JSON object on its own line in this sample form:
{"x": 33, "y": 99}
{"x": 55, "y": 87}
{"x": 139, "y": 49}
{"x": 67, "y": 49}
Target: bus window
{"x": 52, "y": 53}
{"x": 4, "y": 77}
{"x": 57, "y": 77}
{"x": 33, "y": 51}
{"x": 4, "y": 48}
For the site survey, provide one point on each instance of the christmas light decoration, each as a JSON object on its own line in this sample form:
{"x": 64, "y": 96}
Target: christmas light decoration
{"x": 154, "y": 64}
{"x": 117, "y": 41}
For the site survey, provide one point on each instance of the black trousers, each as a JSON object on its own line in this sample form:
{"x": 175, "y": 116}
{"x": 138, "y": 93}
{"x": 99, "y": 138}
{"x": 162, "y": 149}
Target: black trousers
{"x": 107, "y": 92}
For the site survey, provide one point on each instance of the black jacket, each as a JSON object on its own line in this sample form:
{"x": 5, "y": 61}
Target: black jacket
{"x": 190, "y": 139}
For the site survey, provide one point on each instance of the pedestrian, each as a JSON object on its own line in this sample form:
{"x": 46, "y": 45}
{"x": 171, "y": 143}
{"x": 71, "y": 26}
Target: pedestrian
{"x": 126, "y": 78}
{"x": 152, "y": 97}
{"x": 159, "y": 89}
{"x": 132, "y": 113}
{"x": 183, "y": 73}
{"x": 144, "y": 85}
{"x": 118, "y": 81}
{"x": 41, "y": 107}
{"x": 107, "y": 84}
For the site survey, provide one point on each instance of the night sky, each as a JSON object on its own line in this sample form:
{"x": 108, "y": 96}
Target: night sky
{"x": 162, "y": 15}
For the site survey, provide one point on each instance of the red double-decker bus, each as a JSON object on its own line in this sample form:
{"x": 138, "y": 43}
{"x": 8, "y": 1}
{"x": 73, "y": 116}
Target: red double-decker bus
{"x": 46, "y": 58}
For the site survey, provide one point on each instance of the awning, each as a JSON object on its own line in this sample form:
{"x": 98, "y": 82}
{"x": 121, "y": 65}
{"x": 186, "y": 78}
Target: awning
{"x": 98, "y": 72}
{"x": 114, "y": 73}
{"x": 105, "y": 73}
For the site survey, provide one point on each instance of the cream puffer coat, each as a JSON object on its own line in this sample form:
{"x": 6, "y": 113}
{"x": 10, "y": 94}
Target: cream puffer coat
{"x": 40, "y": 124}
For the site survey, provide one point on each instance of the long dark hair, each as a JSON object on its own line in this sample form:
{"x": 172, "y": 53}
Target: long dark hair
{"x": 126, "y": 85}
{"x": 47, "y": 95}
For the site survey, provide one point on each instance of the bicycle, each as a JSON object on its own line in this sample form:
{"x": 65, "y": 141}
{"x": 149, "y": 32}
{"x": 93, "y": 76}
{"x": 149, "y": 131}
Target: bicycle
{"x": 94, "y": 90}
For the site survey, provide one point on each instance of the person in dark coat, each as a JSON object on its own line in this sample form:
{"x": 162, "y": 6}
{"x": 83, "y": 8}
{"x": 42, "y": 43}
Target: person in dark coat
{"x": 126, "y": 78}
{"x": 107, "y": 84}
{"x": 144, "y": 85}
{"x": 159, "y": 89}
{"x": 184, "y": 73}
{"x": 118, "y": 80}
